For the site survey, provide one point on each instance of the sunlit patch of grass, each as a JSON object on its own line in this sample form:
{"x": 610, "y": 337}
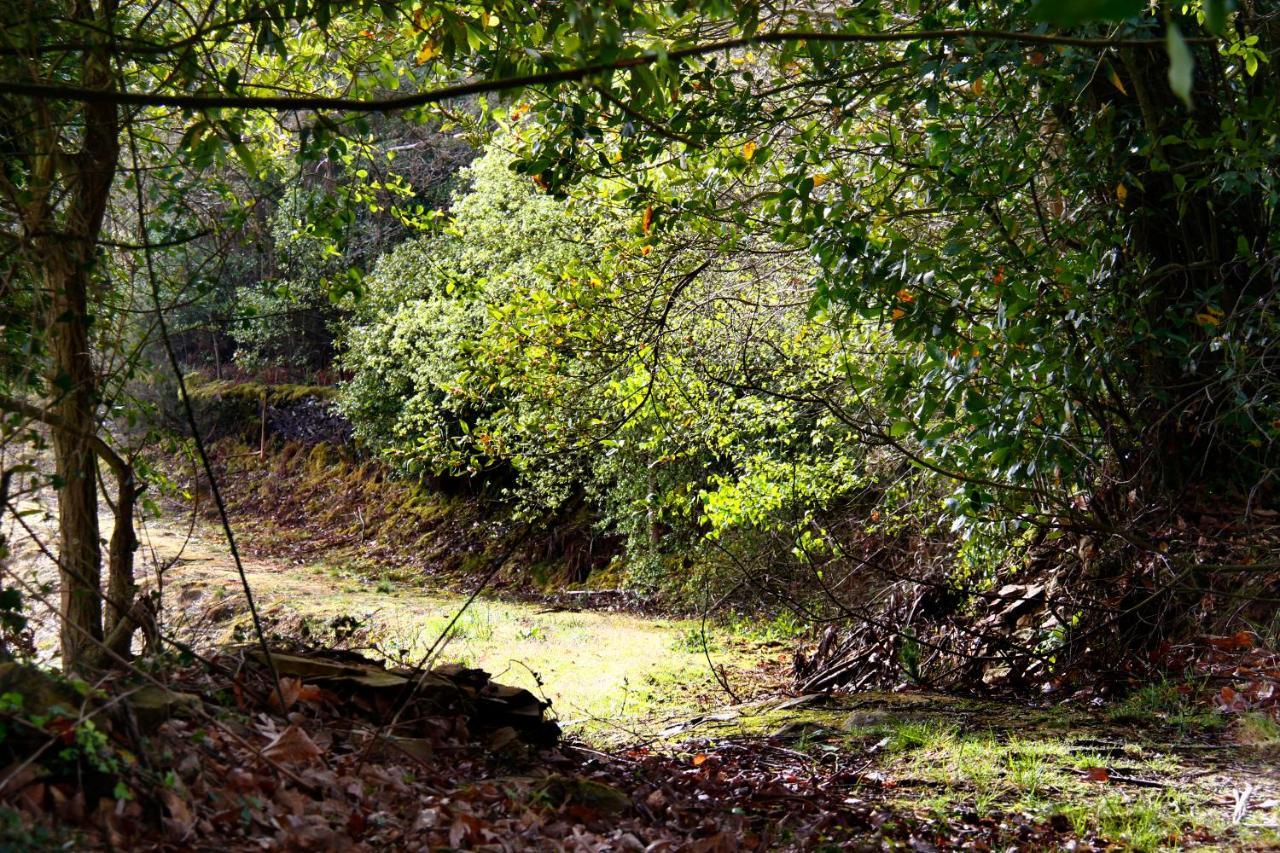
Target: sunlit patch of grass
{"x": 1037, "y": 774}
{"x": 1258, "y": 730}
{"x": 605, "y": 673}
{"x": 930, "y": 736}
{"x": 694, "y": 639}
{"x": 1166, "y": 702}
{"x": 474, "y": 626}
{"x": 1028, "y": 772}
{"x": 994, "y": 771}
{"x": 1145, "y": 821}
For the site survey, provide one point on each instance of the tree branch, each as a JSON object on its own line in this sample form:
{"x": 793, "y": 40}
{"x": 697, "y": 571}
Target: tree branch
{"x": 117, "y": 464}
{"x": 563, "y": 75}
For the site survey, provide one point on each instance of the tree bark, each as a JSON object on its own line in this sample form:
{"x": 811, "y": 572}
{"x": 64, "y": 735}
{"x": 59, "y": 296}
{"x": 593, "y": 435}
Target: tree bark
{"x": 68, "y": 255}
{"x": 80, "y": 551}
{"x": 121, "y": 585}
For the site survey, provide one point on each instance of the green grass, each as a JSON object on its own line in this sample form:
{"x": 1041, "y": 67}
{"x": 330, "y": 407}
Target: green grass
{"x": 617, "y": 678}
{"x": 1177, "y": 705}
{"x": 605, "y": 673}
{"x": 783, "y": 627}
{"x": 1259, "y": 731}
{"x": 942, "y": 756}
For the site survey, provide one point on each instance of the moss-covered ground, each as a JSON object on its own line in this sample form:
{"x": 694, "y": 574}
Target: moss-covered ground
{"x": 1158, "y": 770}
{"x": 608, "y": 674}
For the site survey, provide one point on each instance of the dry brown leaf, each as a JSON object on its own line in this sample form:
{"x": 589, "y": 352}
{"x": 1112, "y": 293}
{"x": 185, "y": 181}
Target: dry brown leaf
{"x": 310, "y": 693}
{"x": 292, "y": 745}
{"x": 464, "y": 826}
{"x": 1097, "y": 774}
{"x": 288, "y": 692}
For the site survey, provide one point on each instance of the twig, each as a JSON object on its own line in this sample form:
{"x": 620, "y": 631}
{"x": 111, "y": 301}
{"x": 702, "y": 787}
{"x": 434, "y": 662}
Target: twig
{"x": 191, "y": 419}
{"x": 1242, "y": 803}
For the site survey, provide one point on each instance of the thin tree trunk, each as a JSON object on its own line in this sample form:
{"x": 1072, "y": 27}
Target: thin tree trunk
{"x": 69, "y": 255}
{"x": 80, "y": 551}
{"x": 121, "y": 585}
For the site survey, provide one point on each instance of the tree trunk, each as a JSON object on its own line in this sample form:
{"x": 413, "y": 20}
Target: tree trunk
{"x": 121, "y": 585}
{"x": 80, "y": 551}
{"x": 68, "y": 254}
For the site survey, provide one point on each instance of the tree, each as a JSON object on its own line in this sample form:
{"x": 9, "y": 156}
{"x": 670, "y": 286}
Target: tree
{"x": 79, "y": 79}
{"x": 1041, "y": 220}
{"x": 1058, "y": 245}
{"x": 891, "y": 117}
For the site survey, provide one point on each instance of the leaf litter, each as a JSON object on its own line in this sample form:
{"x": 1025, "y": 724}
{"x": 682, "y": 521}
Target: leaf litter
{"x": 350, "y": 755}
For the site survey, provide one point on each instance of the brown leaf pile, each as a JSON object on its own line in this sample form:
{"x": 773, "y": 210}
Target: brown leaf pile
{"x": 346, "y": 755}
{"x": 1244, "y": 673}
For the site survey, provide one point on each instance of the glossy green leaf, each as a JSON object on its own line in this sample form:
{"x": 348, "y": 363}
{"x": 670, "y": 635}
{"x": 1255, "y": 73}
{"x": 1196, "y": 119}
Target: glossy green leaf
{"x": 1215, "y": 16}
{"x": 1181, "y": 64}
{"x": 1071, "y": 12}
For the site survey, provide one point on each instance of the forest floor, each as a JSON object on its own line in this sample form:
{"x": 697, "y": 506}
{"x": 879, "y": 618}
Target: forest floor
{"x": 1163, "y": 768}
{"x": 612, "y": 676}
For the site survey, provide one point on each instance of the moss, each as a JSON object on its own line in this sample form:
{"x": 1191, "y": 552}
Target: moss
{"x": 277, "y": 395}
{"x": 994, "y": 758}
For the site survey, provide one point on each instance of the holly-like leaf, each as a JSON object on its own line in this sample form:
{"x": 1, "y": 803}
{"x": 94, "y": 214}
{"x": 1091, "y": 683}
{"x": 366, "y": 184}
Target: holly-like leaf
{"x": 1071, "y": 12}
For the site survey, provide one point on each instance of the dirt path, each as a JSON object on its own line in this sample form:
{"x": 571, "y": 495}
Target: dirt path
{"x": 616, "y": 676}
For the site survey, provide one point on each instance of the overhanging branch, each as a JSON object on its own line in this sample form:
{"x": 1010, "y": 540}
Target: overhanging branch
{"x": 118, "y": 465}
{"x": 563, "y": 75}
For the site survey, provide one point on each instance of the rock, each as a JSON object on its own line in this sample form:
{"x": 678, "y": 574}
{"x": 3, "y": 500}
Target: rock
{"x": 799, "y": 730}
{"x": 866, "y": 720}
{"x": 27, "y": 692}
{"x": 152, "y": 705}
{"x": 40, "y": 691}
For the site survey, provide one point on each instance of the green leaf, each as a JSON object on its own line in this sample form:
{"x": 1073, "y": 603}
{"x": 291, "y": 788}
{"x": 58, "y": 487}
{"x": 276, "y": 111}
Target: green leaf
{"x": 899, "y": 429}
{"x": 247, "y": 159}
{"x": 1215, "y": 16}
{"x": 1070, "y": 12}
{"x": 1181, "y": 64}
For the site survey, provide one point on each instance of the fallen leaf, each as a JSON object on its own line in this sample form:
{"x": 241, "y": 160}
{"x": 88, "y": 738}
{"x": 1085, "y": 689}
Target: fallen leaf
{"x": 310, "y": 693}
{"x": 288, "y": 693}
{"x": 292, "y": 744}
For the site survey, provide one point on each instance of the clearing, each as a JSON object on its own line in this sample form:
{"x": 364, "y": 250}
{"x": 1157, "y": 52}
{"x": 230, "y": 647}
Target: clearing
{"x": 1160, "y": 769}
{"x": 612, "y": 675}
